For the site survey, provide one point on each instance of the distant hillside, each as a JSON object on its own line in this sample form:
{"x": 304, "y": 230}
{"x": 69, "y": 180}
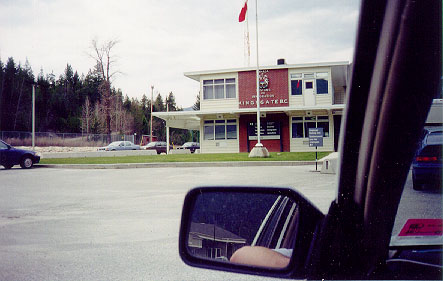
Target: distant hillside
{"x": 188, "y": 109}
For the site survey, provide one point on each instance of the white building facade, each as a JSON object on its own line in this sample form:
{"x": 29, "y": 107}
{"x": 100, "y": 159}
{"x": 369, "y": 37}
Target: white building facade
{"x": 293, "y": 98}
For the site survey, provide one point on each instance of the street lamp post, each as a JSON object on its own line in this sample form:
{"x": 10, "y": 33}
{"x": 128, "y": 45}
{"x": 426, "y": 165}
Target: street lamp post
{"x": 152, "y": 103}
{"x": 33, "y": 117}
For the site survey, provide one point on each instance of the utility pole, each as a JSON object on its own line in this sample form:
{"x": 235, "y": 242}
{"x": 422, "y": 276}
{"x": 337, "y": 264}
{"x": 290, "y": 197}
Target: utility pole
{"x": 167, "y": 131}
{"x": 152, "y": 106}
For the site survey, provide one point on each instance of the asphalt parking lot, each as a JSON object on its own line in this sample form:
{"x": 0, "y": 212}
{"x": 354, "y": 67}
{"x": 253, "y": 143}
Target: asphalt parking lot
{"x": 122, "y": 224}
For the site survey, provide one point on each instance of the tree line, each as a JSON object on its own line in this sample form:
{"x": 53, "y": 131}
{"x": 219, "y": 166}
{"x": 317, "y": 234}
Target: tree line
{"x": 74, "y": 103}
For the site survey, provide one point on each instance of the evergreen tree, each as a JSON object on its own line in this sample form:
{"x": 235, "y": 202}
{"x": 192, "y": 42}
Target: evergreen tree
{"x": 159, "y": 106}
{"x": 196, "y": 105}
{"x": 170, "y": 102}
{"x": 74, "y": 103}
{"x": 159, "y": 125}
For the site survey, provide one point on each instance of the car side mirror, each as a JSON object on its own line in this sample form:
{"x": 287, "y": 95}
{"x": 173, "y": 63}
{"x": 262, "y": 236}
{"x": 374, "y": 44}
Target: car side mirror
{"x": 255, "y": 230}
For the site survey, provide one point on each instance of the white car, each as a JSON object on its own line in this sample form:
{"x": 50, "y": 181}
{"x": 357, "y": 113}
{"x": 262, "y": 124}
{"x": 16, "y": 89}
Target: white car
{"x": 119, "y": 145}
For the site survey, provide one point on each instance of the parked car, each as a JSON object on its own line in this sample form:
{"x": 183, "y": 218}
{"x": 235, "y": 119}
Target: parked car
{"x": 427, "y": 166}
{"x": 10, "y": 156}
{"x": 190, "y": 145}
{"x": 398, "y": 46}
{"x": 119, "y": 145}
{"x": 159, "y": 146}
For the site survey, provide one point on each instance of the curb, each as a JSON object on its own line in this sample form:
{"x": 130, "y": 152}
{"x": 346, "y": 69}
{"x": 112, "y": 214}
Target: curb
{"x": 179, "y": 165}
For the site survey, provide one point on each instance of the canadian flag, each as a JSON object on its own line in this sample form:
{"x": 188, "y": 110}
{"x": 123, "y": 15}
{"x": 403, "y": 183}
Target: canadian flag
{"x": 242, "y": 15}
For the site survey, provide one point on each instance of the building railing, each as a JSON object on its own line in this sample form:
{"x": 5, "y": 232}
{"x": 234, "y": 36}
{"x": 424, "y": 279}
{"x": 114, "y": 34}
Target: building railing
{"x": 17, "y": 138}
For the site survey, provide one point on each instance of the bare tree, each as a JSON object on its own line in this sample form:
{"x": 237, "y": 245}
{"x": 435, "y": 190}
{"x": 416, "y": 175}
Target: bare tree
{"x": 105, "y": 60}
{"x": 87, "y": 115}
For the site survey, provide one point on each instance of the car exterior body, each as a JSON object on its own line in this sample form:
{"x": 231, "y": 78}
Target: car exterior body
{"x": 119, "y": 145}
{"x": 427, "y": 164}
{"x": 159, "y": 146}
{"x": 10, "y": 156}
{"x": 191, "y": 146}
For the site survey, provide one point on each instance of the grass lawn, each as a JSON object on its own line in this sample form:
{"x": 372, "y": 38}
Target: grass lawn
{"x": 217, "y": 157}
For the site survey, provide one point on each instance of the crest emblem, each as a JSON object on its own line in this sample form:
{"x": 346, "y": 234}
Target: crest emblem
{"x": 263, "y": 81}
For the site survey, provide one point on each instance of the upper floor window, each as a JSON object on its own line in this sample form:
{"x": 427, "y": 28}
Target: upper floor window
{"x": 219, "y": 89}
{"x": 321, "y": 80}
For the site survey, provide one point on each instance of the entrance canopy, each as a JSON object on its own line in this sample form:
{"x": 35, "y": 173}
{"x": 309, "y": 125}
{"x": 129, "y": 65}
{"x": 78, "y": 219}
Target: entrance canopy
{"x": 180, "y": 119}
{"x": 190, "y": 120}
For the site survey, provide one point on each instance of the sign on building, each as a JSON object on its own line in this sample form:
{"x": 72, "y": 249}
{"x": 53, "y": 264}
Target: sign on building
{"x": 270, "y": 130}
{"x": 274, "y": 89}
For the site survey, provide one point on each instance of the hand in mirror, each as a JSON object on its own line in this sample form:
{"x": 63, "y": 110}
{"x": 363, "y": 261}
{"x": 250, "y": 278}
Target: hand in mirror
{"x": 261, "y": 256}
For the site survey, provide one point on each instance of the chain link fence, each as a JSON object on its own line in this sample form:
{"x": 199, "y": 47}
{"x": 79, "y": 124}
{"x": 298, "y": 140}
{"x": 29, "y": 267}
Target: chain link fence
{"x": 62, "y": 139}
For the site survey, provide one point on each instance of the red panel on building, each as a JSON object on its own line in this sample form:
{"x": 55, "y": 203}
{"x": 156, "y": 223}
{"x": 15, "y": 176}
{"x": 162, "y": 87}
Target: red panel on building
{"x": 273, "y": 145}
{"x": 274, "y": 89}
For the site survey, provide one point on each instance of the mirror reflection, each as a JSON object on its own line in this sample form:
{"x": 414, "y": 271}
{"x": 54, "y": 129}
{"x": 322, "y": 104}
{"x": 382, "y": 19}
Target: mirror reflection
{"x": 245, "y": 228}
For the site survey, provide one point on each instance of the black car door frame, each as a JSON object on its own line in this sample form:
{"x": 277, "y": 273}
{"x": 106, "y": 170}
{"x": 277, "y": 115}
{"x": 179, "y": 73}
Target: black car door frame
{"x": 395, "y": 74}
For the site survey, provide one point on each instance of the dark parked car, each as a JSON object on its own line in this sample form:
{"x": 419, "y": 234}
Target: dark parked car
{"x": 10, "y": 156}
{"x": 159, "y": 146}
{"x": 398, "y": 46}
{"x": 427, "y": 164}
{"x": 190, "y": 145}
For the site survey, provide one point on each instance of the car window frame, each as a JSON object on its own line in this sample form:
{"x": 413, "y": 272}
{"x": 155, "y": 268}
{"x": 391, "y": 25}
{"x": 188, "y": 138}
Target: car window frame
{"x": 378, "y": 104}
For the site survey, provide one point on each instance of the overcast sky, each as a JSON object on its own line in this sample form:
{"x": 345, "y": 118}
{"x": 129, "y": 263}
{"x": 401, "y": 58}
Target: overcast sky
{"x": 160, "y": 40}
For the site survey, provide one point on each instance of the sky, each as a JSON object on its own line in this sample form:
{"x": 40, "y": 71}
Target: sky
{"x": 160, "y": 40}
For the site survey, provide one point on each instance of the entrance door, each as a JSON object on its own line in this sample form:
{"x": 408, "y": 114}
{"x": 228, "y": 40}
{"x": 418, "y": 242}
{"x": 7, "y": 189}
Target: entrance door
{"x": 309, "y": 96}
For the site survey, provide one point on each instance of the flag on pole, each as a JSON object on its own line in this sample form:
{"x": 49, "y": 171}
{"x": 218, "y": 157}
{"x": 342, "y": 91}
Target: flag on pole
{"x": 242, "y": 15}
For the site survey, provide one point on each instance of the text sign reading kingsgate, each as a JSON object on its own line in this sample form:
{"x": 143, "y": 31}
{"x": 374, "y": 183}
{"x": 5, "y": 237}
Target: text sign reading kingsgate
{"x": 315, "y": 137}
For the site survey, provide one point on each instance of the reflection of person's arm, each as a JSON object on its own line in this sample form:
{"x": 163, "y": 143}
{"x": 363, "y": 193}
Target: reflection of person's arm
{"x": 259, "y": 256}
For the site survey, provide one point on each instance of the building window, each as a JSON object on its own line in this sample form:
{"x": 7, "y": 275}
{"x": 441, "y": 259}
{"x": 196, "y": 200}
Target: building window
{"x": 219, "y": 89}
{"x": 220, "y": 129}
{"x": 231, "y": 129}
{"x": 322, "y": 86}
{"x": 208, "y": 130}
{"x": 320, "y": 79}
{"x": 208, "y": 89}
{"x": 321, "y": 82}
{"x": 213, "y": 252}
{"x": 230, "y": 88}
{"x": 309, "y": 123}
{"x": 323, "y": 122}
{"x": 301, "y": 125}
{"x": 297, "y": 127}
{"x": 296, "y": 87}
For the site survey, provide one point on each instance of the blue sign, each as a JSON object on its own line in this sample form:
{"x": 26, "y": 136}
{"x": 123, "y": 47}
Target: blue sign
{"x": 315, "y": 132}
{"x": 315, "y": 137}
{"x": 315, "y": 141}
